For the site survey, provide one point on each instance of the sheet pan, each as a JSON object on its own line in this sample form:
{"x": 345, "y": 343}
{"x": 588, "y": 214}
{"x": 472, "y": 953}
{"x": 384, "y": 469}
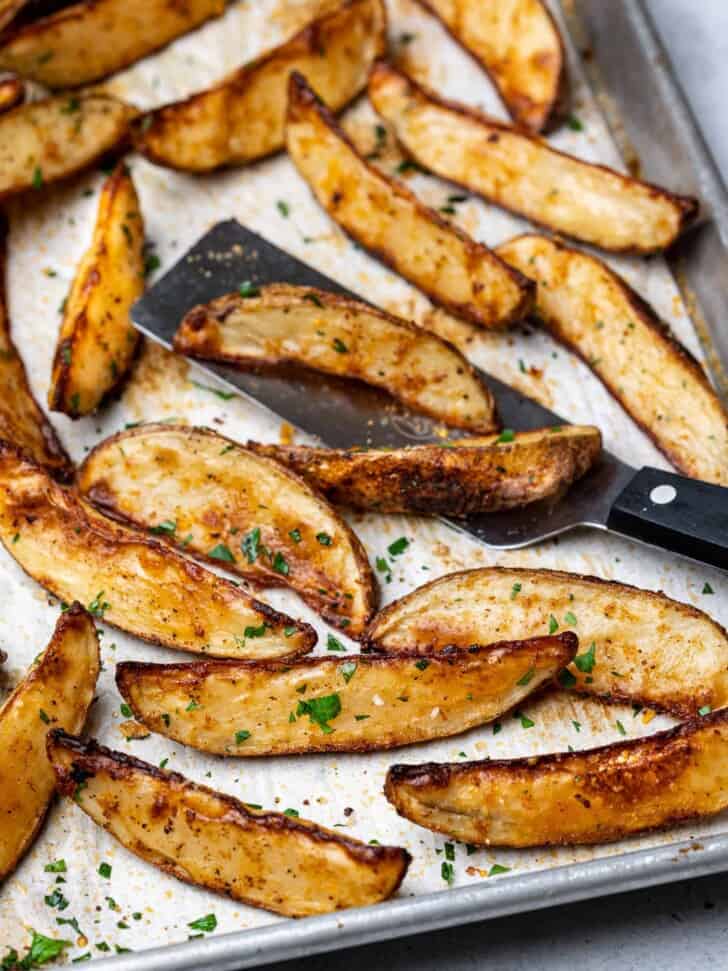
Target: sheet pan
{"x": 46, "y": 242}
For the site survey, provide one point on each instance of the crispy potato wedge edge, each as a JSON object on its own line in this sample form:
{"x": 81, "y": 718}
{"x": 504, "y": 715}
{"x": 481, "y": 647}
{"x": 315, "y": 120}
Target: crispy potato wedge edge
{"x": 241, "y": 118}
{"x": 372, "y": 702}
{"x": 520, "y": 47}
{"x": 461, "y": 478}
{"x": 266, "y": 859}
{"x": 595, "y": 796}
{"x": 523, "y": 174}
{"x": 128, "y": 579}
{"x": 595, "y": 313}
{"x": 386, "y": 218}
{"x": 57, "y": 690}
{"x": 285, "y": 324}
{"x": 97, "y": 341}
{"x": 637, "y": 645}
{"x": 259, "y": 519}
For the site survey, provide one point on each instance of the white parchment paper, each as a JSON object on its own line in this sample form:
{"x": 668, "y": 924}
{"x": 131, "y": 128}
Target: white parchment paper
{"x": 137, "y": 906}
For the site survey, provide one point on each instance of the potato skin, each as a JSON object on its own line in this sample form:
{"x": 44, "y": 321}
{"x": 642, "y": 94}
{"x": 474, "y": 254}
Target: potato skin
{"x": 523, "y": 174}
{"x": 394, "y": 225}
{"x": 647, "y": 648}
{"x": 520, "y": 47}
{"x": 653, "y": 376}
{"x": 97, "y": 341}
{"x": 458, "y": 480}
{"x": 241, "y": 118}
{"x": 266, "y": 859}
{"x": 60, "y": 685}
{"x": 591, "y": 797}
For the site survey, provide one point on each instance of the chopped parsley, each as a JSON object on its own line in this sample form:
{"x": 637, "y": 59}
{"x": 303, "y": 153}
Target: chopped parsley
{"x": 291, "y": 812}
{"x": 206, "y": 924}
{"x": 339, "y": 346}
{"x": 569, "y": 618}
{"x": 585, "y": 662}
{"x": 105, "y": 870}
{"x": 166, "y": 528}
{"x": 37, "y": 177}
{"x": 321, "y": 710}
{"x": 42, "y": 950}
{"x": 574, "y": 123}
{"x": 295, "y": 535}
{"x": 283, "y": 208}
{"x": 324, "y": 539}
{"x": 620, "y": 728}
{"x": 348, "y": 670}
{"x": 57, "y": 866}
{"x": 526, "y": 722}
{"x": 527, "y": 677}
{"x": 497, "y": 868}
{"x": 250, "y": 545}
{"x": 126, "y": 711}
{"x": 705, "y": 710}
{"x": 447, "y": 872}
{"x": 515, "y": 590}
{"x": 567, "y": 679}
{"x": 422, "y": 665}
{"x": 248, "y": 289}
{"x": 553, "y": 624}
{"x": 256, "y": 631}
{"x": 333, "y": 644}
{"x": 242, "y": 736}
{"x": 398, "y": 546}
{"x": 225, "y": 395}
{"x": 98, "y": 607}
{"x": 707, "y": 588}
{"x": 507, "y": 435}
{"x": 280, "y": 564}
{"x": 221, "y": 552}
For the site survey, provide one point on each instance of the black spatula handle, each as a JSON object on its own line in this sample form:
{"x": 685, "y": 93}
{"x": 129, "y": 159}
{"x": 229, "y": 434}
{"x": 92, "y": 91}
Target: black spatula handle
{"x": 682, "y": 515}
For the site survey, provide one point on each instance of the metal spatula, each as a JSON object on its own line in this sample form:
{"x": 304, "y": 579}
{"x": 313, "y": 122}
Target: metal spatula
{"x": 660, "y": 508}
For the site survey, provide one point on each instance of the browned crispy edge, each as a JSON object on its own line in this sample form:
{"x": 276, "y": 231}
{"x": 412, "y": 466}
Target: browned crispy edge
{"x": 58, "y": 462}
{"x": 369, "y": 642}
{"x": 196, "y": 319}
{"x": 556, "y": 109}
{"x": 307, "y": 41}
{"x": 90, "y": 758}
{"x": 687, "y": 206}
{"x": 101, "y": 499}
{"x": 77, "y": 11}
{"x": 301, "y": 95}
{"x": 12, "y": 93}
{"x": 659, "y": 327}
{"x": 567, "y": 642}
{"x": 193, "y": 570}
{"x": 63, "y": 357}
{"x": 440, "y": 774}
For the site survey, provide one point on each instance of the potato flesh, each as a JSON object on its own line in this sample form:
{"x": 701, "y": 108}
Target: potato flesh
{"x": 130, "y": 581}
{"x": 49, "y": 140}
{"x": 596, "y": 796}
{"x": 519, "y": 45}
{"x": 56, "y": 692}
{"x": 460, "y": 480}
{"x": 523, "y": 174}
{"x": 242, "y": 118}
{"x": 289, "y": 866}
{"x": 343, "y": 337}
{"x": 91, "y": 39}
{"x": 97, "y": 340}
{"x": 592, "y": 310}
{"x": 384, "y": 702}
{"x": 215, "y": 494}
{"x": 647, "y": 648}
{"x": 386, "y": 218}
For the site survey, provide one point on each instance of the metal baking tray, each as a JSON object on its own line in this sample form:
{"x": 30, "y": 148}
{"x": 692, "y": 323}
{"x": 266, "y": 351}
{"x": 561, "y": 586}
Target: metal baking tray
{"x": 632, "y": 78}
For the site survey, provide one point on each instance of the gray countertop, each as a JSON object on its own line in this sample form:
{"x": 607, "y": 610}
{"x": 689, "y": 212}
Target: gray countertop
{"x": 668, "y": 928}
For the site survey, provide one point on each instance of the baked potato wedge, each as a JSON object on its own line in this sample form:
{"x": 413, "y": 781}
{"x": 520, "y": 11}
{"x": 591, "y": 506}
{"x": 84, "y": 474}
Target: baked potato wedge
{"x": 594, "y": 312}
{"x": 285, "y": 324}
{"x": 46, "y": 141}
{"x": 266, "y": 859}
{"x": 598, "y": 796}
{"x": 224, "y": 503}
{"x": 242, "y": 118}
{"x": 97, "y": 340}
{"x": 386, "y": 218}
{"x": 57, "y": 691}
{"x": 459, "y": 479}
{"x": 91, "y": 39}
{"x": 129, "y": 580}
{"x": 520, "y": 172}
{"x": 21, "y": 420}
{"x": 362, "y": 704}
{"x": 637, "y": 646}
{"x": 519, "y": 45}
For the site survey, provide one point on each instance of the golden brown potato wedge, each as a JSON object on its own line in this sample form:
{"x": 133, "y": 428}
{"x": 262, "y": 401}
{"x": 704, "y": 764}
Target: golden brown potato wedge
{"x": 635, "y": 645}
{"x": 57, "y": 691}
{"x": 244, "y": 512}
{"x": 519, "y": 45}
{"x": 349, "y": 704}
{"x": 93, "y": 38}
{"x": 97, "y": 340}
{"x": 267, "y": 859}
{"x": 595, "y": 313}
{"x": 385, "y": 217}
{"x": 460, "y": 479}
{"x": 598, "y": 796}
{"x": 242, "y": 118}
{"x": 129, "y": 580}
{"x": 21, "y": 420}
{"x": 284, "y": 324}
{"x": 521, "y": 173}
{"x": 45, "y": 141}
